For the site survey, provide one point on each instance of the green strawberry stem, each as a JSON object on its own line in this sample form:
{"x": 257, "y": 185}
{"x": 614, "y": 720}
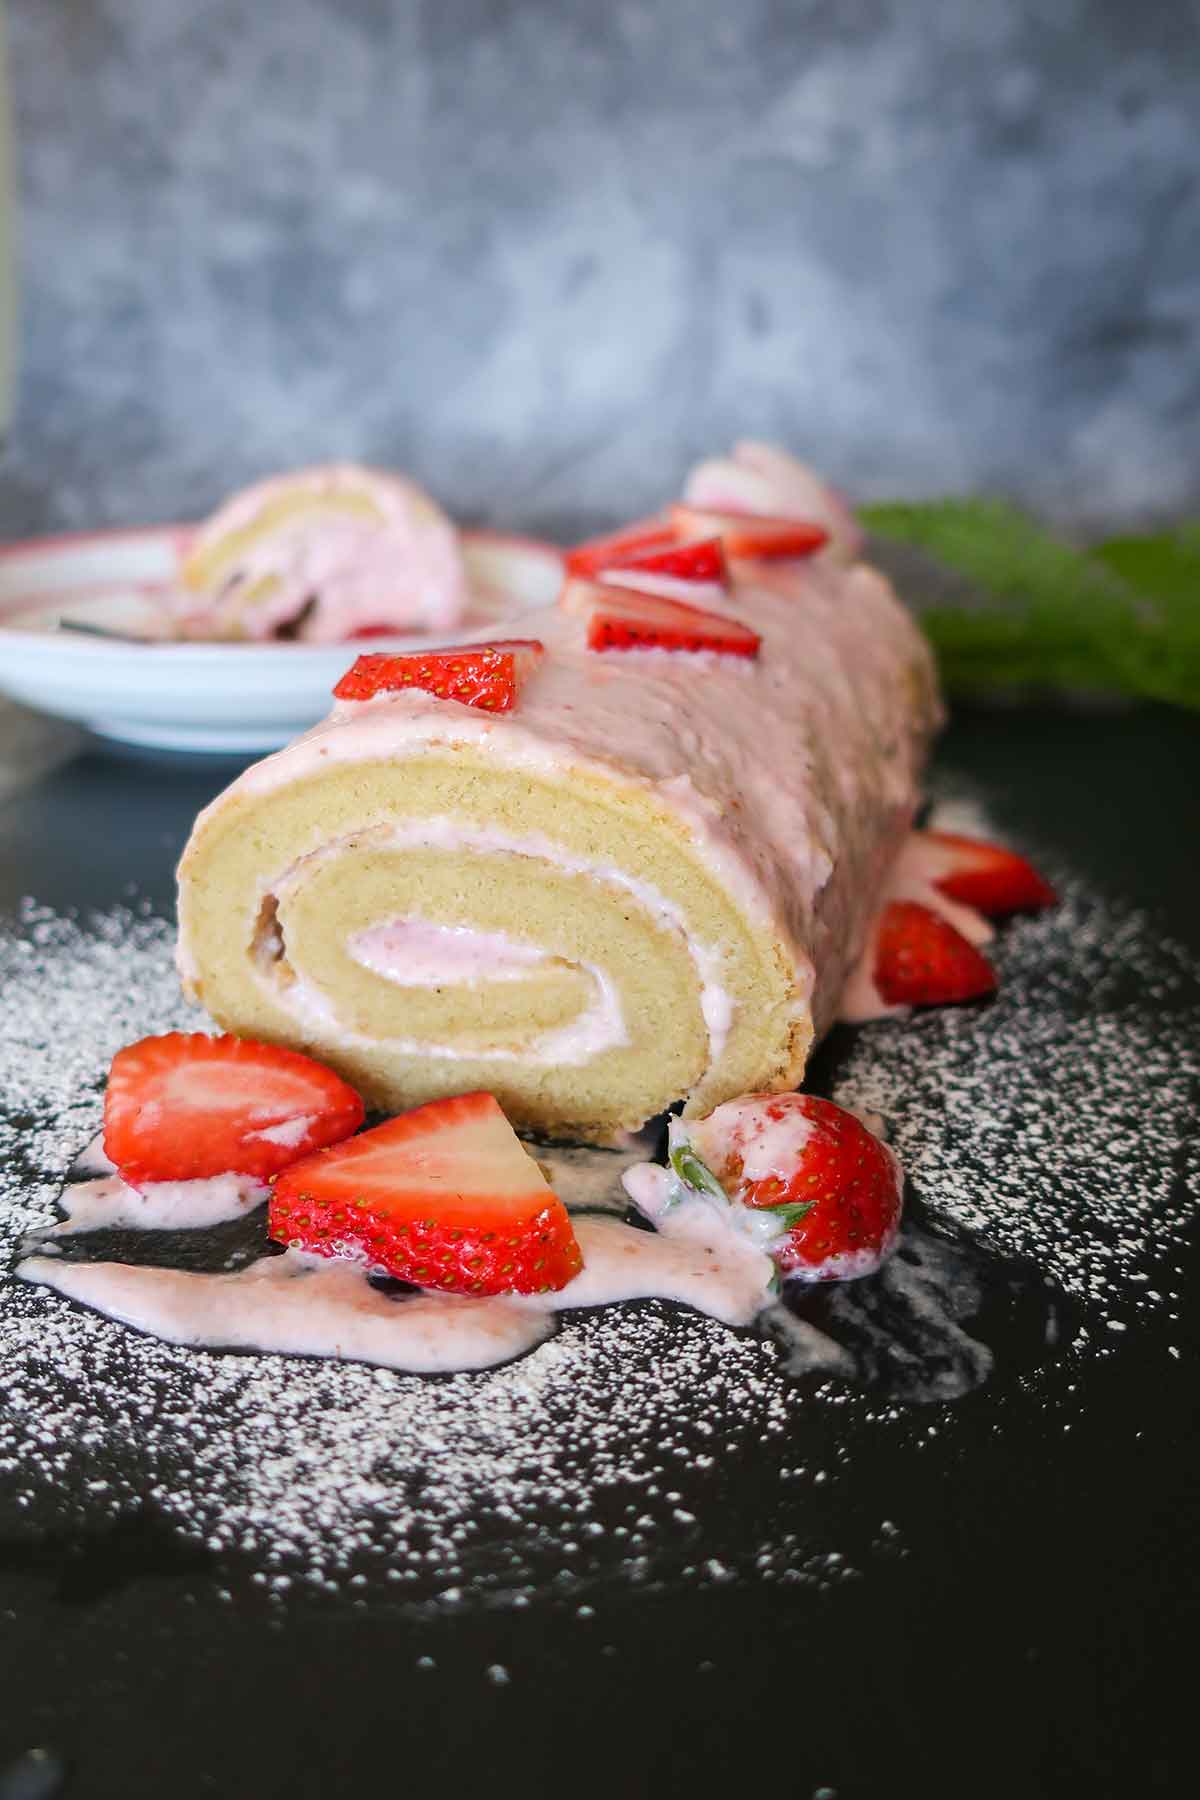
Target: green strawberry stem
{"x": 695, "y": 1173}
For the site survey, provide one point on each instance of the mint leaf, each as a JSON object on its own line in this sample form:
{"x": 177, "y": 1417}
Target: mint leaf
{"x": 696, "y": 1173}
{"x": 1002, "y": 551}
{"x": 1124, "y": 618}
{"x": 1165, "y": 570}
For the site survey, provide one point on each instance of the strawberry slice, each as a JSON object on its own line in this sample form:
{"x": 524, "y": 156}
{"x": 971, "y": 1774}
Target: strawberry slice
{"x": 489, "y": 676}
{"x": 921, "y": 960}
{"x": 832, "y": 1188}
{"x": 632, "y": 540}
{"x": 186, "y": 1106}
{"x": 702, "y": 561}
{"x": 621, "y": 618}
{"x": 989, "y": 877}
{"x": 444, "y": 1196}
{"x": 753, "y": 535}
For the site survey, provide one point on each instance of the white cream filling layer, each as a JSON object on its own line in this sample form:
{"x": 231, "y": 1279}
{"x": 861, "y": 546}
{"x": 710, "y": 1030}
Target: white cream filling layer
{"x": 598, "y": 1027}
{"x": 416, "y": 952}
{"x": 414, "y": 957}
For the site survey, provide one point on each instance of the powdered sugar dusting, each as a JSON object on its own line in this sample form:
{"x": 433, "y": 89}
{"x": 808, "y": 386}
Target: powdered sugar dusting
{"x": 1060, "y": 1119}
{"x": 1056, "y": 1122}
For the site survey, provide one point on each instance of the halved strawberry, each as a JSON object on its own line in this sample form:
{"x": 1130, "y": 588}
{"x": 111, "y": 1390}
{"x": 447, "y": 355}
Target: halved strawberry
{"x": 444, "y": 1196}
{"x": 702, "y": 561}
{"x": 831, "y": 1187}
{"x": 484, "y": 675}
{"x": 752, "y": 535}
{"x": 921, "y": 960}
{"x": 621, "y": 618}
{"x": 605, "y": 552}
{"x": 186, "y": 1106}
{"x": 989, "y": 877}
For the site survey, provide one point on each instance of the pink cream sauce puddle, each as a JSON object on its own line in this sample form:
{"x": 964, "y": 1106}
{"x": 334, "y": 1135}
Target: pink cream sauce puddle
{"x": 301, "y": 1305}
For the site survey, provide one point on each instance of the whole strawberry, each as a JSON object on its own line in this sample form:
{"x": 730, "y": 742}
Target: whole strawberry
{"x": 820, "y": 1192}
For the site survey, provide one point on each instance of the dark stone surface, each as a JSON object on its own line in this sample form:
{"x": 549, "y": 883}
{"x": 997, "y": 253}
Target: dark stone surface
{"x": 1031, "y": 1639}
{"x": 544, "y": 252}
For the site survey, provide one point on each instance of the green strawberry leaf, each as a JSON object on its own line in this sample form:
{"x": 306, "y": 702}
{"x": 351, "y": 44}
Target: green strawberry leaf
{"x": 695, "y": 1173}
{"x": 791, "y": 1212}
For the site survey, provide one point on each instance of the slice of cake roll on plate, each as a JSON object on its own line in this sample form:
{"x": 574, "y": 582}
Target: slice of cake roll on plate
{"x": 626, "y": 858}
{"x": 320, "y": 555}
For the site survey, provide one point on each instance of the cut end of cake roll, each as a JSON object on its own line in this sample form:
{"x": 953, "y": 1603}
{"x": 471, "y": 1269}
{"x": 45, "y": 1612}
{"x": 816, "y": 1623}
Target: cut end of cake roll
{"x": 644, "y": 881}
{"x": 445, "y": 921}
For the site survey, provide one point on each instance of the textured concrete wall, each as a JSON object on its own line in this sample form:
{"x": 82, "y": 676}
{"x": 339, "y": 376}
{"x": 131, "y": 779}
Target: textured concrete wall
{"x": 543, "y": 252}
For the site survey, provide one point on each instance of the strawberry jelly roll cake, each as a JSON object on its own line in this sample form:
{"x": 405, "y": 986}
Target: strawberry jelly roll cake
{"x": 644, "y": 880}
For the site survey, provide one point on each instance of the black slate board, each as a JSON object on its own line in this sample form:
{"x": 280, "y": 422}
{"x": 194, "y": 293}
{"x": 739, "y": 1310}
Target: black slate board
{"x": 1035, "y": 1638}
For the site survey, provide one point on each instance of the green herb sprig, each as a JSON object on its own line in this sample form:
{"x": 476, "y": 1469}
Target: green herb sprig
{"x": 1121, "y": 618}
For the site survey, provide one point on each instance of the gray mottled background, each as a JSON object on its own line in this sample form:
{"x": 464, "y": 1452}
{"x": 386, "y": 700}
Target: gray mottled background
{"x": 544, "y": 252}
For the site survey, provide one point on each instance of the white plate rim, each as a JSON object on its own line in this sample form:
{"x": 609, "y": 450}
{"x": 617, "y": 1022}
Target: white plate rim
{"x": 80, "y": 645}
{"x": 206, "y": 697}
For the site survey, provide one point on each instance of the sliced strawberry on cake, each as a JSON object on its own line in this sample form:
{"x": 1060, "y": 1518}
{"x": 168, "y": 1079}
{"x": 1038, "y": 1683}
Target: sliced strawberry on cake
{"x": 694, "y": 573}
{"x": 489, "y": 676}
{"x": 921, "y": 960}
{"x": 703, "y": 561}
{"x": 620, "y": 618}
{"x": 185, "y": 1107}
{"x": 751, "y": 535}
{"x": 989, "y": 877}
{"x": 444, "y": 1196}
{"x": 618, "y": 546}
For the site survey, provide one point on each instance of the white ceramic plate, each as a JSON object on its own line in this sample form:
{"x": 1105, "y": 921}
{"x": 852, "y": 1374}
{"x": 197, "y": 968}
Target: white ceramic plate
{"x": 209, "y": 697}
